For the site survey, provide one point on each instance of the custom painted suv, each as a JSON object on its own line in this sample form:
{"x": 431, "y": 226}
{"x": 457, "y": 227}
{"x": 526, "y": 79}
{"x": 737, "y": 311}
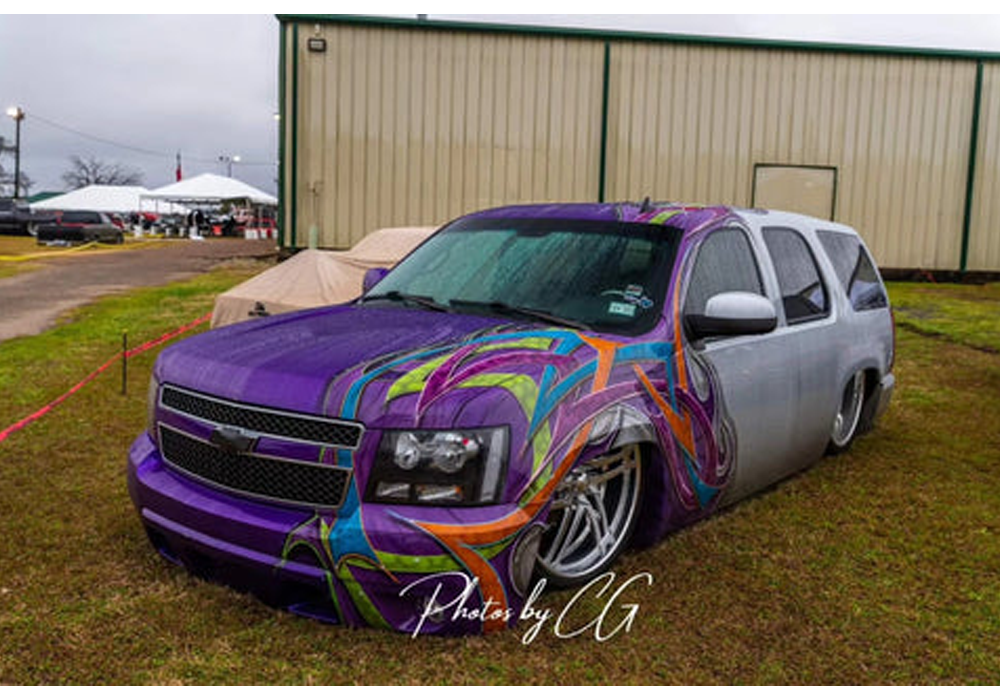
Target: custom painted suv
{"x": 529, "y": 392}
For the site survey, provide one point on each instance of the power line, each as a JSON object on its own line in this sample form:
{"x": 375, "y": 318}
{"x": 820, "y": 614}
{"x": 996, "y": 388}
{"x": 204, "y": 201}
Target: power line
{"x": 136, "y": 149}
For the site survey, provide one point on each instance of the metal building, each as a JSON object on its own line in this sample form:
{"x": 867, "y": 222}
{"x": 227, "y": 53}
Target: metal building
{"x": 398, "y": 122}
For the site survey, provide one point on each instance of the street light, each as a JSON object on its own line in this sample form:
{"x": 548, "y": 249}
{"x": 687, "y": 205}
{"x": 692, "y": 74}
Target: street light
{"x": 17, "y": 114}
{"x": 229, "y": 160}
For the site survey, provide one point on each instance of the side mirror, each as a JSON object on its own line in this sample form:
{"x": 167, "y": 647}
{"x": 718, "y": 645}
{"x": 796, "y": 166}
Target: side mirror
{"x": 732, "y": 314}
{"x": 373, "y": 277}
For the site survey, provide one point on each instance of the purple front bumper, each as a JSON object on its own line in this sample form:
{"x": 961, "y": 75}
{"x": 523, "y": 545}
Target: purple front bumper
{"x": 296, "y": 559}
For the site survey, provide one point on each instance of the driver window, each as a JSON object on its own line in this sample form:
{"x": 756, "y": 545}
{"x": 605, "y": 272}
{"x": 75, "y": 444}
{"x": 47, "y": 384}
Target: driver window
{"x": 725, "y": 263}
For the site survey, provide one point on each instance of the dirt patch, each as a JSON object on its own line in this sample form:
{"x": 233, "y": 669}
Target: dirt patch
{"x": 32, "y": 302}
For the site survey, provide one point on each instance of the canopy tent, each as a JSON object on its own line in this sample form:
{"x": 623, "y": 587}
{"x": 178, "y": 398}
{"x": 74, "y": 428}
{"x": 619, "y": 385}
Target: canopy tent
{"x": 249, "y": 207}
{"x": 109, "y": 199}
{"x": 211, "y": 189}
{"x": 314, "y": 278}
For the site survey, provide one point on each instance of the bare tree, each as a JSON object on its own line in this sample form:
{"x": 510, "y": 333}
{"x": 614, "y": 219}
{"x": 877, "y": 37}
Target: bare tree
{"x": 94, "y": 171}
{"x": 7, "y": 175}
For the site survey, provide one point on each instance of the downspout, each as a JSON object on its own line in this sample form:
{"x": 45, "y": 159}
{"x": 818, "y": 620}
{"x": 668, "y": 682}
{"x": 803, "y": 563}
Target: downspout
{"x": 970, "y": 181}
{"x": 294, "y": 190}
{"x": 282, "y": 111}
{"x": 602, "y": 174}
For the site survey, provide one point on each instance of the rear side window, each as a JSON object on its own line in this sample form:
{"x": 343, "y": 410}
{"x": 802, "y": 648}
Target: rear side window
{"x": 803, "y": 294}
{"x": 81, "y": 217}
{"x": 855, "y": 270}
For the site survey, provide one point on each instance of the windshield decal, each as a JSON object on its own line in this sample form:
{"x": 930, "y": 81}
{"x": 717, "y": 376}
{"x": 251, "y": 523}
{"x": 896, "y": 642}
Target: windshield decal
{"x": 620, "y": 308}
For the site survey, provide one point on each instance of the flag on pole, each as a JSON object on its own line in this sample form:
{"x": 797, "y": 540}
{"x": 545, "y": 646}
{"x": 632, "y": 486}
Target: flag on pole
{"x": 178, "y": 173}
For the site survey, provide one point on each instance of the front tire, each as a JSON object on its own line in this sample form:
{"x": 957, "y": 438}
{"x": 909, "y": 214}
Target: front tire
{"x": 594, "y": 512}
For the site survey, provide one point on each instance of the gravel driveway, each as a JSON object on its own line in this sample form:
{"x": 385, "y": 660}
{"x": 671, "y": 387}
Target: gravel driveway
{"x": 31, "y": 302}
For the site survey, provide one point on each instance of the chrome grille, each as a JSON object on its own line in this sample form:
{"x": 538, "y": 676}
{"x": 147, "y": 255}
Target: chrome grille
{"x": 295, "y": 426}
{"x": 298, "y": 483}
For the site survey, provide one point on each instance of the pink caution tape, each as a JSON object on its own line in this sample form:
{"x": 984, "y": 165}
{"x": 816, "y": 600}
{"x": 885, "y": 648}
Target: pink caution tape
{"x": 7, "y": 432}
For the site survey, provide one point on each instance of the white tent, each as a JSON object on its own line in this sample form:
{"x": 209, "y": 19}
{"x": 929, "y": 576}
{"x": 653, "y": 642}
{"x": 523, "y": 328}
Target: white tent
{"x": 209, "y": 188}
{"x": 314, "y": 278}
{"x": 109, "y": 199}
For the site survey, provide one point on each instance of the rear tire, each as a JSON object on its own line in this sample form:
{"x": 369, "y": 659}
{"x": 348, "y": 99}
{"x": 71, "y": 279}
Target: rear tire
{"x": 594, "y": 512}
{"x": 847, "y": 421}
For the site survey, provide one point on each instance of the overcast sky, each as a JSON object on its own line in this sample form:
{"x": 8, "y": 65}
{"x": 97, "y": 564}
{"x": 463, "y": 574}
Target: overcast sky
{"x": 136, "y": 89}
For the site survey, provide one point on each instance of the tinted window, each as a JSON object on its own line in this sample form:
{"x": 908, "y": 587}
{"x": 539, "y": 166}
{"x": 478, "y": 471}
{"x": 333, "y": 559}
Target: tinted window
{"x": 855, "y": 270}
{"x": 725, "y": 263}
{"x": 81, "y": 217}
{"x": 608, "y": 275}
{"x": 802, "y": 293}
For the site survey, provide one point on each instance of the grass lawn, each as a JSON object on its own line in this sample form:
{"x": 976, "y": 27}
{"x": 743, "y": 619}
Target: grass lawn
{"x": 881, "y": 566}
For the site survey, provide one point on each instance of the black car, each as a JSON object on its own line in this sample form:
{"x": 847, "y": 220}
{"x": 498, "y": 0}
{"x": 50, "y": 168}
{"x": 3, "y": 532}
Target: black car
{"x": 16, "y": 218}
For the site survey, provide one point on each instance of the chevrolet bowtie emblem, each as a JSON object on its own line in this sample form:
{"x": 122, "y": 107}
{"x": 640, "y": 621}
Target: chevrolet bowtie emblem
{"x": 233, "y": 440}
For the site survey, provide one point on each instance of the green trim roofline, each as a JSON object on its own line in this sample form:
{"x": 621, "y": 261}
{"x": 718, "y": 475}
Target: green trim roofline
{"x": 629, "y": 35}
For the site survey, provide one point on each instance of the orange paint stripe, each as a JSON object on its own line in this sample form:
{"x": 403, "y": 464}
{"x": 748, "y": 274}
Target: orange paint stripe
{"x": 460, "y": 538}
{"x": 680, "y": 425}
{"x": 678, "y": 345}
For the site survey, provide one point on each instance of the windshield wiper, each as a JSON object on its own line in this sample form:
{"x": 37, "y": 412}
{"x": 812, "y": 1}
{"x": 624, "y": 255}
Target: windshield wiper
{"x": 504, "y": 308}
{"x": 425, "y": 301}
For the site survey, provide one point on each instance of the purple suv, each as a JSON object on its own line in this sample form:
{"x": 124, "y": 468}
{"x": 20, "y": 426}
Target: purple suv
{"x": 529, "y": 392}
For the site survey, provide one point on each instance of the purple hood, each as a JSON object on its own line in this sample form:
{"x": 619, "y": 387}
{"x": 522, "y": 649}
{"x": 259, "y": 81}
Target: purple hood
{"x": 289, "y": 361}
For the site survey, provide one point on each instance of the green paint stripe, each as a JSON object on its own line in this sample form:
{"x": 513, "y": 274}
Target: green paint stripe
{"x": 602, "y": 174}
{"x": 293, "y": 194}
{"x": 282, "y": 209}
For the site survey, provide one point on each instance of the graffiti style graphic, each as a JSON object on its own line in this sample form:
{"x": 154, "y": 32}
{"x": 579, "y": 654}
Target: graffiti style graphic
{"x": 571, "y": 378}
{"x": 506, "y": 413}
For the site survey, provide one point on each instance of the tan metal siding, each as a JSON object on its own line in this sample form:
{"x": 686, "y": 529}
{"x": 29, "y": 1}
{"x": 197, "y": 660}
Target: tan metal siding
{"x": 688, "y": 123}
{"x": 400, "y": 126}
{"x": 414, "y": 127}
{"x": 984, "y": 235}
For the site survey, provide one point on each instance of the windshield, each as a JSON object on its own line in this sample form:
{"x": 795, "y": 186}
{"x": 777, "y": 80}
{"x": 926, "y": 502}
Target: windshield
{"x": 600, "y": 275}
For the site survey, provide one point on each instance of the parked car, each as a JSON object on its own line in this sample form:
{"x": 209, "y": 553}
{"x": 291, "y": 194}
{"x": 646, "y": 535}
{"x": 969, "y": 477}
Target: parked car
{"x": 80, "y": 227}
{"x": 529, "y": 392}
{"x": 17, "y": 219}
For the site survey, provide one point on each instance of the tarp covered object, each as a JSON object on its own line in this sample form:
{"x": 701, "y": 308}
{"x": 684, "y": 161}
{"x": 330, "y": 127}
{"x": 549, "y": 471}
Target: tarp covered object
{"x": 314, "y": 278}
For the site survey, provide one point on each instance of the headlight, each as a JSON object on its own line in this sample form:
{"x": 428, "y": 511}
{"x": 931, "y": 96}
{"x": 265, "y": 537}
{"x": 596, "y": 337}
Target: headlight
{"x": 439, "y": 467}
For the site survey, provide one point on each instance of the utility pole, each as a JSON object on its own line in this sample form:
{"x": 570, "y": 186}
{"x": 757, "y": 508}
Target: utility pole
{"x": 17, "y": 114}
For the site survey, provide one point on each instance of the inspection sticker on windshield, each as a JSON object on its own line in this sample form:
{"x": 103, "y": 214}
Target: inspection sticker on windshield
{"x": 633, "y": 295}
{"x": 621, "y": 309}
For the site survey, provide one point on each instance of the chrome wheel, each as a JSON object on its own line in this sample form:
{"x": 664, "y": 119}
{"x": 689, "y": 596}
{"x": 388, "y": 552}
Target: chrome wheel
{"x": 593, "y": 513}
{"x": 845, "y": 423}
